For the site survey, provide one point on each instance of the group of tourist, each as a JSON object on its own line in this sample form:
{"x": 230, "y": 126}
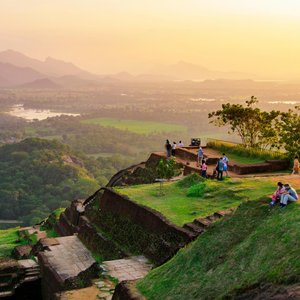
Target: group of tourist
{"x": 221, "y": 166}
{"x": 283, "y": 194}
{"x": 171, "y": 148}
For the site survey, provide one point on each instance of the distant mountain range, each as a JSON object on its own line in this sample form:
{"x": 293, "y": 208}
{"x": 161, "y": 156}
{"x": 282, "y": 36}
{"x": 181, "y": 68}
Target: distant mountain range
{"x": 19, "y": 70}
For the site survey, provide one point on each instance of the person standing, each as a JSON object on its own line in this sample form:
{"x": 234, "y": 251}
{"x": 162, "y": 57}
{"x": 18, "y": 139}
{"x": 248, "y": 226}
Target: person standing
{"x": 288, "y": 195}
{"x": 220, "y": 169}
{"x": 225, "y": 161}
{"x": 203, "y": 169}
{"x": 168, "y": 148}
{"x": 174, "y": 148}
{"x": 200, "y": 155}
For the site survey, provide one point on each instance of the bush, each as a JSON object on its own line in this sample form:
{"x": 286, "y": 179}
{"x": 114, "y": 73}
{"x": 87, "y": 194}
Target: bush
{"x": 190, "y": 180}
{"x": 196, "y": 190}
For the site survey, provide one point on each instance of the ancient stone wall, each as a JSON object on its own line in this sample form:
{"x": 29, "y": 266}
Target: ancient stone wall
{"x": 139, "y": 229}
{"x": 97, "y": 242}
{"x": 186, "y": 154}
{"x": 267, "y": 166}
{"x": 113, "y": 202}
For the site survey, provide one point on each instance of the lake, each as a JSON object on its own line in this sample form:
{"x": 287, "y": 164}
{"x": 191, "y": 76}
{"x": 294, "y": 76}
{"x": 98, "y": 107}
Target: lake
{"x": 30, "y": 114}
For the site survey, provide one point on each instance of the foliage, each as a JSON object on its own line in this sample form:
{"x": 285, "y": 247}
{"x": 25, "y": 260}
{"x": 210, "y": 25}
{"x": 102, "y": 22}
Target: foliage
{"x": 256, "y": 128}
{"x": 257, "y": 154}
{"x": 290, "y": 131}
{"x": 190, "y": 180}
{"x": 37, "y": 176}
{"x": 196, "y": 190}
{"x": 180, "y": 209}
{"x": 253, "y": 247}
{"x": 49, "y": 222}
{"x": 9, "y": 239}
{"x": 166, "y": 168}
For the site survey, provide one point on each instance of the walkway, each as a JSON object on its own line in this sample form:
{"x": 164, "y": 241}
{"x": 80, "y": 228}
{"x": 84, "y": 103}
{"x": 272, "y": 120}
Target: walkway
{"x": 131, "y": 268}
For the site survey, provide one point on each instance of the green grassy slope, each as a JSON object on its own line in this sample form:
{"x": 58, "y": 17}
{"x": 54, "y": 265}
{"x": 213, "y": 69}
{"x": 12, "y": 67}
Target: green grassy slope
{"x": 256, "y": 245}
{"x": 9, "y": 239}
{"x": 179, "y": 208}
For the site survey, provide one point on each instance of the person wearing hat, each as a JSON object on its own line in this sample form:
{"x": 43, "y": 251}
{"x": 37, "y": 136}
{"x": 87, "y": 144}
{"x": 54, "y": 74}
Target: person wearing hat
{"x": 288, "y": 195}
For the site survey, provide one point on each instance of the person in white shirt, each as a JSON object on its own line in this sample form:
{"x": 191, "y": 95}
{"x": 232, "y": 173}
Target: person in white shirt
{"x": 225, "y": 161}
{"x": 174, "y": 148}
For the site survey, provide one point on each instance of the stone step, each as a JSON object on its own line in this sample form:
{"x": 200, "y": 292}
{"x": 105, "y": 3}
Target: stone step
{"x": 7, "y": 275}
{"x": 33, "y": 272}
{"x": 31, "y": 278}
{"x": 4, "y": 284}
{"x": 193, "y": 227}
{"x": 6, "y": 294}
{"x": 202, "y": 222}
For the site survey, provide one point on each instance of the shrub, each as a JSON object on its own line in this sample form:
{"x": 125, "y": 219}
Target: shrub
{"x": 190, "y": 180}
{"x": 196, "y": 190}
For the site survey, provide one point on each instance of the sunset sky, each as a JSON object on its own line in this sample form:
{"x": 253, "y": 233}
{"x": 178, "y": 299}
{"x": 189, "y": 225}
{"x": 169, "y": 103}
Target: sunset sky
{"x": 253, "y": 36}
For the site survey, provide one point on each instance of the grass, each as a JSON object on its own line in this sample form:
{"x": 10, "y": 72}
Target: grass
{"x": 244, "y": 159}
{"x": 257, "y": 245}
{"x": 245, "y": 155}
{"x": 9, "y": 239}
{"x": 180, "y": 208}
{"x": 140, "y": 127}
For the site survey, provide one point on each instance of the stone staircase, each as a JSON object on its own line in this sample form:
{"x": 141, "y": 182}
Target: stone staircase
{"x": 198, "y": 226}
{"x": 15, "y": 274}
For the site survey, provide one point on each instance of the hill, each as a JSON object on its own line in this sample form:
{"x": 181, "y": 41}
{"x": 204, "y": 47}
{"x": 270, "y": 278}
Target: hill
{"x": 44, "y": 83}
{"x": 254, "y": 252}
{"x": 38, "y": 176}
{"x": 186, "y": 71}
{"x": 12, "y": 75}
{"x": 50, "y": 66}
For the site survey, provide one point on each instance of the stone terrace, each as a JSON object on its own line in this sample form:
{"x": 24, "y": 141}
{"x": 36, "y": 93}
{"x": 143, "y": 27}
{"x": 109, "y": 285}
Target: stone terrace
{"x": 66, "y": 259}
{"x": 131, "y": 268}
{"x": 187, "y": 157}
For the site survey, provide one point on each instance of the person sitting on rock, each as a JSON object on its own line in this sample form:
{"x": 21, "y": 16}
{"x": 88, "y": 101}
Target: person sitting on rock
{"x": 288, "y": 195}
{"x": 279, "y": 191}
{"x": 180, "y": 144}
{"x": 296, "y": 165}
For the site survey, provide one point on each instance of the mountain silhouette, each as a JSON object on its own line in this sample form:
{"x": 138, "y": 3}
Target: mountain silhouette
{"x": 50, "y": 66}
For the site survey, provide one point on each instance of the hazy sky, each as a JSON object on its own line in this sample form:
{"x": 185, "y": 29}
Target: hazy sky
{"x": 254, "y": 36}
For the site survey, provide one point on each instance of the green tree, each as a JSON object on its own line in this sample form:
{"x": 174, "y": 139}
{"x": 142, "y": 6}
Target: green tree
{"x": 256, "y": 128}
{"x": 166, "y": 168}
{"x": 290, "y": 131}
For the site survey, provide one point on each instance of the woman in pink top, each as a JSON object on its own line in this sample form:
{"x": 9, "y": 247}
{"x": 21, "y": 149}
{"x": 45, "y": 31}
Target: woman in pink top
{"x": 277, "y": 194}
{"x": 203, "y": 169}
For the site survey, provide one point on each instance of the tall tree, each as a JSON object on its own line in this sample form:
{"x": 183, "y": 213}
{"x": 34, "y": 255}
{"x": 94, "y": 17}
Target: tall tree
{"x": 256, "y": 128}
{"x": 290, "y": 131}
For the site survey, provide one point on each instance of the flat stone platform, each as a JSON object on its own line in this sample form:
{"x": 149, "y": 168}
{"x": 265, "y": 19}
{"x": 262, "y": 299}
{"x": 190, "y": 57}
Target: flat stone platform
{"x": 131, "y": 268}
{"x": 67, "y": 258}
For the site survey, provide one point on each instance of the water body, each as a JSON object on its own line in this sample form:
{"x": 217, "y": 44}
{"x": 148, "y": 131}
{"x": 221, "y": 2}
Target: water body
{"x": 30, "y": 114}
